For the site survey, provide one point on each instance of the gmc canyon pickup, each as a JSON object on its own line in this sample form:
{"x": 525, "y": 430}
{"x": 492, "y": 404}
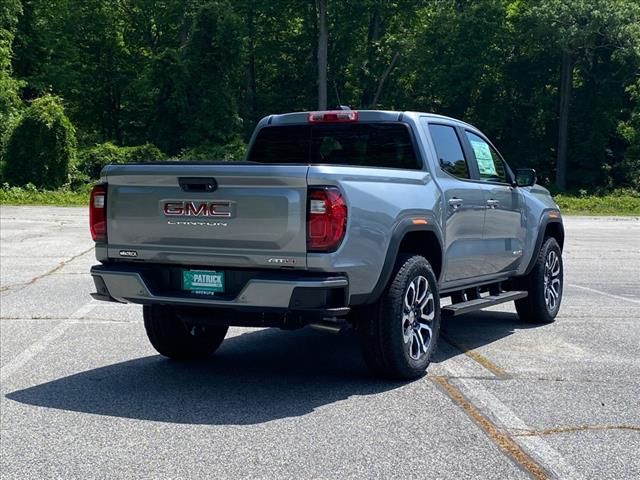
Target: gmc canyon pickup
{"x": 382, "y": 221}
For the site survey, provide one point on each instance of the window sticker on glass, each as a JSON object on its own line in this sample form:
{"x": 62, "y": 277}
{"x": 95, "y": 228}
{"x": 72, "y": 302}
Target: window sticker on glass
{"x": 484, "y": 158}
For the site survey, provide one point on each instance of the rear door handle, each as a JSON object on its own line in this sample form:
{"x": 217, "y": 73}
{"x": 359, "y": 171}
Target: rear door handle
{"x": 455, "y": 202}
{"x": 197, "y": 184}
{"x": 491, "y": 203}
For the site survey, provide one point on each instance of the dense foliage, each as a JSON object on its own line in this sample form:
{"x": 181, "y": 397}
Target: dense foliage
{"x": 555, "y": 82}
{"x": 92, "y": 160}
{"x": 9, "y": 98}
{"x": 42, "y": 146}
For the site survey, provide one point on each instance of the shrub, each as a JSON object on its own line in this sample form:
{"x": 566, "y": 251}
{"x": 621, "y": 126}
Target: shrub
{"x": 41, "y": 147}
{"x": 9, "y": 109}
{"x": 232, "y": 151}
{"x": 617, "y": 202}
{"x": 92, "y": 160}
{"x": 30, "y": 195}
{"x": 144, "y": 153}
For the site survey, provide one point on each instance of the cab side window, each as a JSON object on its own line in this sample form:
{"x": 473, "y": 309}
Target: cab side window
{"x": 450, "y": 155}
{"x": 490, "y": 165}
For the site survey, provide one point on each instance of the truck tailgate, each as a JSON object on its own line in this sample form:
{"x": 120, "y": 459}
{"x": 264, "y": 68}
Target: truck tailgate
{"x": 237, "y": 215}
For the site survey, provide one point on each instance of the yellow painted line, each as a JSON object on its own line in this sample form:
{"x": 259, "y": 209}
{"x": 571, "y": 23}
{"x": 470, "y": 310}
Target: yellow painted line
{"x": 495, "y": 434}
{"x": 475, "y": 356}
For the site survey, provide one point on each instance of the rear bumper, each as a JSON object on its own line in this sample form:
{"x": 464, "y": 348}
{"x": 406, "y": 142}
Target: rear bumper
{"x": 274, "y": 291}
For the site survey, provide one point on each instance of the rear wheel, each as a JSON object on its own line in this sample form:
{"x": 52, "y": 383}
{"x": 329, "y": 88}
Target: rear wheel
{"x": 544, "y": 285}
{"x": 399, "y": 333}
{"x": 177, "y": 339}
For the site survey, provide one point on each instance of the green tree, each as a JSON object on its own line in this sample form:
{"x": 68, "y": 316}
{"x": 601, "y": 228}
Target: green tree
{"x": 213, "y": 58}
{"x": 281, "y": 58}
{"x": 370, "y": 49}
{"x": 10, "y": 103}
{"x": 169, "y": 113}
{"x": 42, "y": 146}
{"x": 323, "y": 46}
{"x": 194, "y": 76}
{"x": 585, "y": 33}
{"x": 76, "y": 48}
{"x": 627, "y": 172}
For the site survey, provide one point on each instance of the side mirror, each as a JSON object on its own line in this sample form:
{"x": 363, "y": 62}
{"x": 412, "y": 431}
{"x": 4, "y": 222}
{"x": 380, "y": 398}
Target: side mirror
{"x": 525, "y": 177}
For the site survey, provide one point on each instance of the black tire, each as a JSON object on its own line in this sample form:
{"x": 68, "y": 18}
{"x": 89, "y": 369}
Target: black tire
{"x": 541, "y": 284}
{"x": 387, "y": 337}
{"x": 176, "y": 339}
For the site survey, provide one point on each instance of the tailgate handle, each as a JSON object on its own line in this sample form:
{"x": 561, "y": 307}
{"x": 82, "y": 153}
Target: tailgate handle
{"x": 197, "y": 184}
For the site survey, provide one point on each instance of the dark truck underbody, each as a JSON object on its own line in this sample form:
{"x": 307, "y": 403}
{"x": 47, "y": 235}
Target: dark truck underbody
{"x": 312, "y": 297}
{"x": 317, "y": 299}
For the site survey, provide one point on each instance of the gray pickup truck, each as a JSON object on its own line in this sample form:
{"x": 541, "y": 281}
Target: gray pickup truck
{"x": 377, "y": 220}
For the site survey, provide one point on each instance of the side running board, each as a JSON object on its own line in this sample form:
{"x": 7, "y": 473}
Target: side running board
{"x": 480, "y": 303}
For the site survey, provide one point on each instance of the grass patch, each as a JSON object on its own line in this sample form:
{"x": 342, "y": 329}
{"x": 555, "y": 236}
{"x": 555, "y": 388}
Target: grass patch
{"x": 610, "y": 204}
{"x": 31, "y": 196}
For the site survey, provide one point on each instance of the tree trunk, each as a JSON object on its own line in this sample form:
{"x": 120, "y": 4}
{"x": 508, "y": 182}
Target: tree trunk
{"x": 184, "y": 28}
{"x": 323, "y": 43}
{"x": 383, "y": 78}
{"x": 252, "y": 83}
{"x": 375, "y": 33}
{"x": 566, "y": 78}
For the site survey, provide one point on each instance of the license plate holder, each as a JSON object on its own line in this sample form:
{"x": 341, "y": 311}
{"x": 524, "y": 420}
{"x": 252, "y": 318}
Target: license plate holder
{"x": 203, "y": 282}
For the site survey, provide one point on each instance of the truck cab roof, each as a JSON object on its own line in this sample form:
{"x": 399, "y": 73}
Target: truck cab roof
{"x": 294, "y": 118}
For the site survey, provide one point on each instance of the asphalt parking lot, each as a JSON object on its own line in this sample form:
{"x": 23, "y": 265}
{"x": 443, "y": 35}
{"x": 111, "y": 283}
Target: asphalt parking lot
{"x": 83, "y": 394}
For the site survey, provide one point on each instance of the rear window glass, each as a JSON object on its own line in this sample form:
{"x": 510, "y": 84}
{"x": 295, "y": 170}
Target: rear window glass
{"x": 360, "y": 144}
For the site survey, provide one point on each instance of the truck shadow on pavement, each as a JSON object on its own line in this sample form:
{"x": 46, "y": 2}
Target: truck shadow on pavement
{"x": 474, "y": 330}
{"x": 255, "y": 377}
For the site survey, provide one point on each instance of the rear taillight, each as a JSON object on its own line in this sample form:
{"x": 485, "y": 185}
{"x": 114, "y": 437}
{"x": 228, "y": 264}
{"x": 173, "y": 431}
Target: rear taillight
{"x": 333, "y": 116}
{"x": 326, "y": 219}
{"x": 98, "y": 213}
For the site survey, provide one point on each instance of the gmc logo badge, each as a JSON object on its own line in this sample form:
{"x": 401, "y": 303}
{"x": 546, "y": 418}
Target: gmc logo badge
{"x": 217, "y": 209}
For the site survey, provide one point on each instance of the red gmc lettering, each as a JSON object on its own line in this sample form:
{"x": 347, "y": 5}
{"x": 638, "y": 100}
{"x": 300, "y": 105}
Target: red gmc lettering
{"x": 214, "y": 213}
{"x": 193, "y": 209}
{"x": 174, "y": 208}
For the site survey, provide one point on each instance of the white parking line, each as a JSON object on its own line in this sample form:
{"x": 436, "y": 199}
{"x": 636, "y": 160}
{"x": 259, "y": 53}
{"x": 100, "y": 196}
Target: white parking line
{"x": 617, "y": 297}
{"x": 56, "y": 332}
{"x": 499, "y": 413}
{"x": 537, "y": 447}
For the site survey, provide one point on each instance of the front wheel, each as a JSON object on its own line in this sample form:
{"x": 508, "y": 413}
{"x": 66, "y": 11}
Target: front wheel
{"x": 398, "y": 334}
{"x": 544, "y": 285}
{"x": 177, "y": 339}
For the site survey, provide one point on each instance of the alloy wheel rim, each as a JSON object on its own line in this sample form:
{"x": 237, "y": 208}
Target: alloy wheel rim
{"x": 552, "y": 284}
{"x": 418, "y": 311}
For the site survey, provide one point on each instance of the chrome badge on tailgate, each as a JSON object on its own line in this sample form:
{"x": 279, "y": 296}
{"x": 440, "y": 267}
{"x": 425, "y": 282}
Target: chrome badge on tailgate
{"x": 217, "y": 209}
